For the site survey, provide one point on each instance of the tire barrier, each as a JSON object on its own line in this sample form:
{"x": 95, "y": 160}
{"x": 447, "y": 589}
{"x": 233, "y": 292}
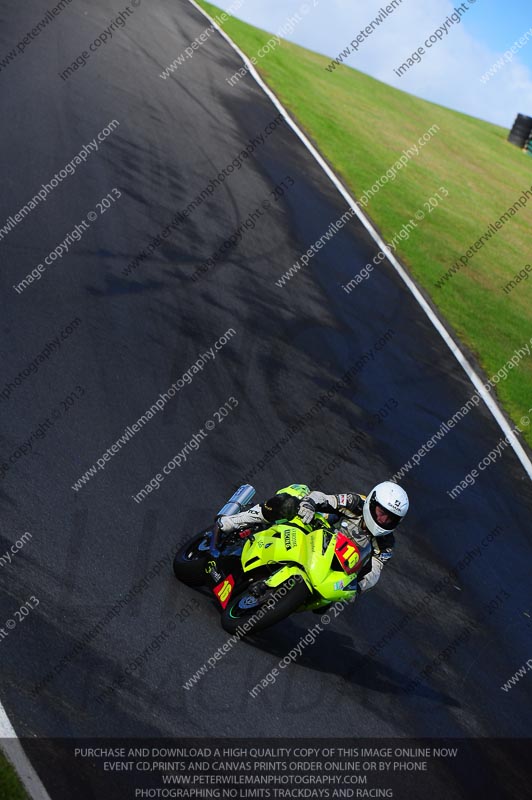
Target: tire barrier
{"x": 521, "y": 131}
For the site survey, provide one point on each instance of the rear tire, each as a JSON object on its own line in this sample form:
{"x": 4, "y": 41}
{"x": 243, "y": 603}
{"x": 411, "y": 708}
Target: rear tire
{"x": 190, "y": 561}
{"x": 244, "y": 607}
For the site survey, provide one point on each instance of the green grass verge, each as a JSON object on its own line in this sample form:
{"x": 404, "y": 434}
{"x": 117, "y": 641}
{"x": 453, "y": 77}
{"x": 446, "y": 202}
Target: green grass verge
{"x": 362, "y": 126}
{"x": 10, "y": 786}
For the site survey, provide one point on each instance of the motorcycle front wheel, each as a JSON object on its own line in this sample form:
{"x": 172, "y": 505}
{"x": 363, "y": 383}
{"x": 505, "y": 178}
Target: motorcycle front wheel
{"x": 190, "y": 561}
{"x": 261, "y": 606}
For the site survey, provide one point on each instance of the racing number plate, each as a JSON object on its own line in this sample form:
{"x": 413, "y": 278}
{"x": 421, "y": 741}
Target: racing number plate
{"x": 348, "y": 553}
{"x": 224, "y": 589}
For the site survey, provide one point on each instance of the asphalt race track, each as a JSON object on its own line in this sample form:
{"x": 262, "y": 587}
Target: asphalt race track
{"x": 136, "y": 332}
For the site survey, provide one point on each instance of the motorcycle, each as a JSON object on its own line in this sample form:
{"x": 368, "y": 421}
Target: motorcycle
{"x": 263, "y": 574}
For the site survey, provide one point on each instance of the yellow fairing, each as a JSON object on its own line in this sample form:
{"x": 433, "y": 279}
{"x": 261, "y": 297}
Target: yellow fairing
{"x": 295, "y": 551}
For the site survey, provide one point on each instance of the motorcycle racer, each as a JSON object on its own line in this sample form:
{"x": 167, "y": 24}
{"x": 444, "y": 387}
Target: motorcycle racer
{"x": 366, "y": 520}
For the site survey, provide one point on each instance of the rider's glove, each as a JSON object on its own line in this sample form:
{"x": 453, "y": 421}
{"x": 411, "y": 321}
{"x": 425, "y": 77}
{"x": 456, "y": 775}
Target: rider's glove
{"x": 352, "y": 505}
{"x": 307, "y": 509}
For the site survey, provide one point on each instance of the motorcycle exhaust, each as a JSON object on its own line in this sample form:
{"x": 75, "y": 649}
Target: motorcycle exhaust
{"x": 238, "y": 501}
{"x": 234, "y": 505}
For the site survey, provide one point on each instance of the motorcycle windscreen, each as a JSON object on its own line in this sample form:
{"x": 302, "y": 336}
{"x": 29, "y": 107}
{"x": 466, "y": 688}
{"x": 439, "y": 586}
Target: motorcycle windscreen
{"x": 349, "y": 554}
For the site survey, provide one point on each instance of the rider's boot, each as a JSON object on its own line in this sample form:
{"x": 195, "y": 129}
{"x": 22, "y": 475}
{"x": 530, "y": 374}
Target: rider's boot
{"x": 237, "y": 522}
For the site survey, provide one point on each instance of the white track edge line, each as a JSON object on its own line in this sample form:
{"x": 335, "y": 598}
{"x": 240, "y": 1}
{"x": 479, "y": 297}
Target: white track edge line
{"x": 14, "y": 752}
{"x": 449, "y": 341}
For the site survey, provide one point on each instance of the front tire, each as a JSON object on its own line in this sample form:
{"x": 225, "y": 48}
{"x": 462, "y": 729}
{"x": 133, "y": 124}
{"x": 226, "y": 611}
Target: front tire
{"x": 190, "y": 561}
{"x": 259, "y": 612}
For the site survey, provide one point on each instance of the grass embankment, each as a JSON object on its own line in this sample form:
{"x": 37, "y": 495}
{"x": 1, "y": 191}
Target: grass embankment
{"x": 10, "y": 786}
{"x": 362, "y": 126}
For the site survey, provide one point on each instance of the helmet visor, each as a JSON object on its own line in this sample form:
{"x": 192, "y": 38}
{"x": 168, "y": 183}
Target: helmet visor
{"x": 382, "y": 516}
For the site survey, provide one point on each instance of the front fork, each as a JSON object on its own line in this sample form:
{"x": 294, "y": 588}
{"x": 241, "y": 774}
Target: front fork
{"x": 222, "y": 585}
{"x": 213, "y": 572}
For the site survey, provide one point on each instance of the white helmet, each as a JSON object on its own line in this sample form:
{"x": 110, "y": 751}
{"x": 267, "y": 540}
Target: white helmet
{"x": 393, "y": 500}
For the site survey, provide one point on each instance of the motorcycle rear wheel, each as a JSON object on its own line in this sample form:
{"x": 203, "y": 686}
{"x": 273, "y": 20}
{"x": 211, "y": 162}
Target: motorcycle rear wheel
{"x": 260, "y": 612}
{"x": 190, "y": 561}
